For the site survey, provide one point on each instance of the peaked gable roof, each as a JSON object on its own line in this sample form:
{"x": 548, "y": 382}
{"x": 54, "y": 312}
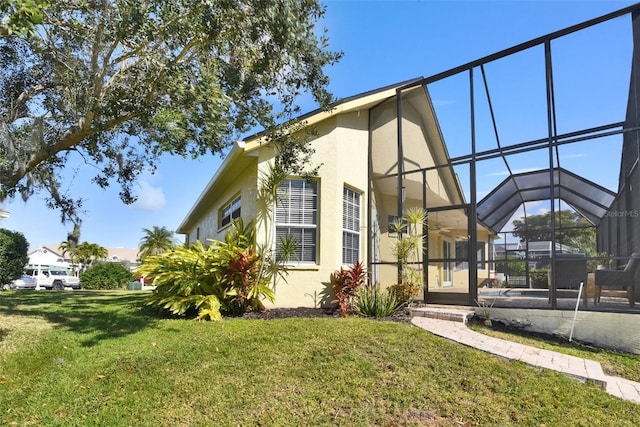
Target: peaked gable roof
{"x": 361, "y": 101}
{"x": 40, "y": 249}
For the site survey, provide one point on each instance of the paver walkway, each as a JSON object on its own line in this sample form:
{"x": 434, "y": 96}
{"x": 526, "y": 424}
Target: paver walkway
{"x": 581, "y": 369}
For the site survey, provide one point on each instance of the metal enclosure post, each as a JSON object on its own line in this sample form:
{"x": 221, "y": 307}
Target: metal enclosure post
{"x": 472, "y": 226}
{"x": 550, "y": 127}
{"x": 400, "y": 172}
{"x": 425, "y": 238}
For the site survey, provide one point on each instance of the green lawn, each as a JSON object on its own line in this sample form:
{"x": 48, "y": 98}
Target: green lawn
{"x": 98, "y": 358}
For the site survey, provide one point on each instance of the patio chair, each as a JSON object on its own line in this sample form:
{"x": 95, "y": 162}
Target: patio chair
{"x": 618, "y": 279}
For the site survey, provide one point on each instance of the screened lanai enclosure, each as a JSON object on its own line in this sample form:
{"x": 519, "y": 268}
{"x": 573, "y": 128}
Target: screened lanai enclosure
{"x": 530, "y": 175}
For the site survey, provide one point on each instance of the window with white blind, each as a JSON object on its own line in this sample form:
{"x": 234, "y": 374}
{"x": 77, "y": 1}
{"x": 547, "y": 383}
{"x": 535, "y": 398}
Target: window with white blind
{"x": 230, "y": 211}
{"x": 297, "y": 219}
{"x": 350, "y": 226}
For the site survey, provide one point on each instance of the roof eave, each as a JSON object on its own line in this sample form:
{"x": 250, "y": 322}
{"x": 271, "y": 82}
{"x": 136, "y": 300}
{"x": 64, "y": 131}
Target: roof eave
{"x": 236, "y": 152}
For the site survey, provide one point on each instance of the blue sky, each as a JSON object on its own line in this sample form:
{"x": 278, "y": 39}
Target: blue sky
{"x": 385, "y": 42}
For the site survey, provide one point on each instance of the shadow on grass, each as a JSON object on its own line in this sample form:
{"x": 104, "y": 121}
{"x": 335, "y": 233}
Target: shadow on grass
{"x": 94, "y": 315}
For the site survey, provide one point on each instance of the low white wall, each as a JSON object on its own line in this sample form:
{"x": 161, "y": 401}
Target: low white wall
{"x": 616, "y": 331}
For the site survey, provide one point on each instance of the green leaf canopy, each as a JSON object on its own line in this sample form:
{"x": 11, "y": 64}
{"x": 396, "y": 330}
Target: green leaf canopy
{"x": 121, "y": 82}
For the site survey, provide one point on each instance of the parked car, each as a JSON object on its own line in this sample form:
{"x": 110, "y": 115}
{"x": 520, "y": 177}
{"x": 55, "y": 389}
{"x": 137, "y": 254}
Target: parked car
{"x": 52, "y": 277}
{"x": 24, "y": 282}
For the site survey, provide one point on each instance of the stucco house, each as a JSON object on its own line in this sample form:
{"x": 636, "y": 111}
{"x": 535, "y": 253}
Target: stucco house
{"x": 344, "y": 214}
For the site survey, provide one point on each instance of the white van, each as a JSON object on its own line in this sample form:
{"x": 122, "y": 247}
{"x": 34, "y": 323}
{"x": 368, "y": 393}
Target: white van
{"x": 52, "y": 277}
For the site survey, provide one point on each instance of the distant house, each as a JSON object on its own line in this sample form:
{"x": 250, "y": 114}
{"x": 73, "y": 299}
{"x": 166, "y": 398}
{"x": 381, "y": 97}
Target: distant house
{"x": 536, "y": 250}
{"x": 344, "y": 214}
{"x": 126, "y": 256}
{"x": 44, "y": 255}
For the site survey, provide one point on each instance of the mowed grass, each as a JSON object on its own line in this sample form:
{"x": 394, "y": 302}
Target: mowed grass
{"x": 99, "y": 358}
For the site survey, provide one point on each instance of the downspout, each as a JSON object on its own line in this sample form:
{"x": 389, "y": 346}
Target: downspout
{"x": 370, "y": 232}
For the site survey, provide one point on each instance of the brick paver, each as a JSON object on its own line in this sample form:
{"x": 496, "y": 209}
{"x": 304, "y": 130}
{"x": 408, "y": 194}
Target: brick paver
{"x": 582, "y": 369}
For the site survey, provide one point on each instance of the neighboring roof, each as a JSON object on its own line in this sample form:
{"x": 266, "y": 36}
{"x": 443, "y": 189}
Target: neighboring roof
{"x": 361, "y": 101}
{"x": 507, "y": 246}
{"x": 48, "y": 248}
{"x": 123, "y": 254}
{"x": 587, "y": 198}
{"x": 546, "y": 245}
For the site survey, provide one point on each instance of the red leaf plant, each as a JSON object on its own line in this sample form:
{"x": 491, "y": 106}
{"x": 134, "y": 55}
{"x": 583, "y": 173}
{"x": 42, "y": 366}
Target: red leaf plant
{"x": 345, "y": 284}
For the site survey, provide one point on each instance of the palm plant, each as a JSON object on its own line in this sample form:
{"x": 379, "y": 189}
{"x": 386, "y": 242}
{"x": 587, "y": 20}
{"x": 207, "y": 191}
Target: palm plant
{"x": 268, "y": 199}
{"x": 155, "y": 241}
{"x": 408, "y": 248}
{"x": 70, "y": 249}
{"x": 87, "y": 253}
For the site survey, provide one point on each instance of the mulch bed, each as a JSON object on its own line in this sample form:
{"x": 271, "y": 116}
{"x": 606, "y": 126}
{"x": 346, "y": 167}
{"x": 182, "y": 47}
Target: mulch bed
{"x": 308, "y": 312}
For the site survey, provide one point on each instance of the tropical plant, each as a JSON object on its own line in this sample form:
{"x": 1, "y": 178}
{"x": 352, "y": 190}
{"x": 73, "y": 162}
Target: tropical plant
{"x": 404, "y": 292}
{"x": 69, "y": 248}
{"x": 155, "y": 241}
{"x": 222, "y": 278}
{"x": 268, "y": 200}
{"x": 13, "y": 255}
{"x": 108, "y": 275}
{"x": 486, "y": 311}
{"x": 372, "y": 302}
{"x": 123, "y": 82}
{"x": 88, "y": 253}
{"x": 408, "y": 251}
{"x": 345, "y": 284}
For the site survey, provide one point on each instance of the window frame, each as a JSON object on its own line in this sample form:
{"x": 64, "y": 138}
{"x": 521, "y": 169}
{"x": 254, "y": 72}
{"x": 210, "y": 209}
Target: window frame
{"x": 462, "y": 251}
{"x": 290, "y": 208}
{"x": 348, "y": 196}
{"x": 232, "y": 214}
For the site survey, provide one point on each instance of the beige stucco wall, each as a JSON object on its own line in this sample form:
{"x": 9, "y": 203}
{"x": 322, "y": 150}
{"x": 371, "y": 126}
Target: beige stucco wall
{"x": 243, "y": 184}
{"x": 612, "y": 330}
{"x": 341, "y": 148}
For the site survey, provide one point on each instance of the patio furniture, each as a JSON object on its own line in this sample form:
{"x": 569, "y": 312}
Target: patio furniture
{"x": 571, "y": 269}
{"x": 618, "y": 279}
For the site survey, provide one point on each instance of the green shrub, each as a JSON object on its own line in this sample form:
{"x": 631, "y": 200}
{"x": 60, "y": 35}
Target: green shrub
{"x": 13, "y": 255}
{"x": 512, "y": 266}
{"x": 405, "y": 292}
{"x": 229, "y": 277}
{"x": 539, "y": 279}
{"x": 371, "y": 302}
{"x": 109, "y": 275}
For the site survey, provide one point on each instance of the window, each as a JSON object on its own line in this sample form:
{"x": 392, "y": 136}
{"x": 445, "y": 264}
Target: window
{"x": 462, "y": 251}
{"x": 350, "y": 226}
{"x": 297, "y": 219}
{"x": 230, "y": 212}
